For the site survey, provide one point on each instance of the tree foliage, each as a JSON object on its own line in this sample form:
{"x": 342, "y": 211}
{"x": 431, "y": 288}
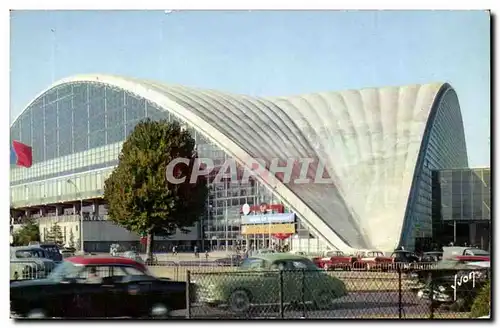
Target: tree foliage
{"x": 482, "y": 303}
{"x": 27, "y": 233}
{"x": 55, "y": 235}
{"x": 140, "y": 197}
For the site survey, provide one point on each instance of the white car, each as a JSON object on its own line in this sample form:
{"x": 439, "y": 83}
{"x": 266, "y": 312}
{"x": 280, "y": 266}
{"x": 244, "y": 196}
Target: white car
{"x": 134, "y": 256}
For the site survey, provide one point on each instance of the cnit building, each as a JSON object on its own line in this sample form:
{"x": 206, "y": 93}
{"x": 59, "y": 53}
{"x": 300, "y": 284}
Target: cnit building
{"x": 380, "y": 147}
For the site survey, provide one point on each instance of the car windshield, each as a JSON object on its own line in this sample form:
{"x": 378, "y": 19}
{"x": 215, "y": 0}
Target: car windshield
{"x": 252, "y": 264}
{"x": 374, "y": 254}
{"x": 64, "y": 270}
{"x": 29, "y": 253}
{"x": 479, "y": 252}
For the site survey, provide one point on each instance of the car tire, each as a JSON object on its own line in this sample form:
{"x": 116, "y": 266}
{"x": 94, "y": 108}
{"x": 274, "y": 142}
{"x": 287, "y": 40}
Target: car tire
{"x": 326, "y": 267}
{"x": 36, "y": 314}
{"x": 239, "y": 301}
{"x": 159, "y": 311}
{"x": 323, "y": 301}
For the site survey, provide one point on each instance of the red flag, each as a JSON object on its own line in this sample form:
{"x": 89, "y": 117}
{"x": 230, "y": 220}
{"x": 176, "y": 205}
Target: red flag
{"x": 23, "y": 153}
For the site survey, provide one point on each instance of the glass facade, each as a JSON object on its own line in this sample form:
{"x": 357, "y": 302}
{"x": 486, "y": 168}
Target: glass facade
{"x": 464, "y": 195}
{"x": 442, "y": 148}
{"x": 77, "y": 130}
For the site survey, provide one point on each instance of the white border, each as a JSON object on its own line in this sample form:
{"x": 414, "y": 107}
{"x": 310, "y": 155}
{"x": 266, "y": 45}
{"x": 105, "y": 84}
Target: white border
{"x": 185, "y": 4}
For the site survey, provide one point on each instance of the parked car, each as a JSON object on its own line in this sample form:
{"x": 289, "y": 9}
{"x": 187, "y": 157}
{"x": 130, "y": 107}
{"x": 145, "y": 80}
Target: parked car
{"x": 257, "y": 282}
{"x": 51, "y": 250}
{"x": 453, "y": 283}
{"x": 465, "y": 253}
{"x": 265, "y": 251}
{"x": 335, "y": 260}
{"x": 373, "y": 260}
{"x": 97, "y": 287}
{"x": 29, "y": 262}
{"x": 67, "y": 252}
{"x": 430, "y": 257}
{"x": 134, "y": 256}
{"x": 231, "y": 260}
{"x": 404, "y": 260}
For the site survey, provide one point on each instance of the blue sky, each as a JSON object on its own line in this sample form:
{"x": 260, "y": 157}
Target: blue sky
{"x": 263, "y": 53}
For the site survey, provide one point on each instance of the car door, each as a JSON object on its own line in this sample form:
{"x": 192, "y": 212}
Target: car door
{"x": 94, "y": 293}
{"x": 292, "y": 281}
{"x": 131, "y": 296}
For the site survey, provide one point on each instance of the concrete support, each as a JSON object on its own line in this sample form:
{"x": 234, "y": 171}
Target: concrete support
{"x": 472, "y": 233}
{"x": 95, "y": 207}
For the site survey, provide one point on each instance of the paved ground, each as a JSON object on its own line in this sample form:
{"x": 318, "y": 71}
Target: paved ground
{"x": 355, "y": 305}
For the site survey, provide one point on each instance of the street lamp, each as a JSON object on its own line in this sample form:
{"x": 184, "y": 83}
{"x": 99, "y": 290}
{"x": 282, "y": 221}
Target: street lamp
{"x": 81, "y": 211}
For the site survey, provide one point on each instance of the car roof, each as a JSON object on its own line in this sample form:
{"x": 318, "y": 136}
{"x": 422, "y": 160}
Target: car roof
{"x": 102, "y": 260}
{"x": 26, "y": 248}
{"x": 278, "y": 256}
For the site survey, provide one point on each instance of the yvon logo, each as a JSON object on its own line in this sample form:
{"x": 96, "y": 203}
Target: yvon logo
{"x": 459, "y": 280}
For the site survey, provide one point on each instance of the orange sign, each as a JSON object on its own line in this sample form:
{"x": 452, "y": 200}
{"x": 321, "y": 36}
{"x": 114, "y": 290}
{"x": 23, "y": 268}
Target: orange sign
{"x": 255, "y": 229}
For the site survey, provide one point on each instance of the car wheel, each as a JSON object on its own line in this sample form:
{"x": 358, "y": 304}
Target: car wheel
{"x": 239, "y": 301}
{"x": 326, "y": 267}
{"x": 323, "y": 300}
{"x": 36, "y": 314}
{"x": 159, "y": 310}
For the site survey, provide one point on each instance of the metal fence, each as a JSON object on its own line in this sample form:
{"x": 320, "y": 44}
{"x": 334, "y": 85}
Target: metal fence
{"x": 315, "y": 294}
{"x": 176, "y": 270}
{"x": 26, "y": 270}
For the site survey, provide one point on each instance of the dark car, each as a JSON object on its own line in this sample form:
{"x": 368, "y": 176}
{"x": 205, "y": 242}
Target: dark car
{"x": 233, "y": 260}
{"x": 429, "y": 257}
{"x": 404, "y": 260}
{"x": 97, "y": 287}
{"x": 452, "y": 283}
{"x": 52, "y": 250}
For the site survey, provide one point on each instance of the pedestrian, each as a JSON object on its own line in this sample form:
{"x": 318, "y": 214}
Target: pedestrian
{"x": 196, "y": 252}
{"x": 174, "y": 250}
{"x": 206, "y": 255}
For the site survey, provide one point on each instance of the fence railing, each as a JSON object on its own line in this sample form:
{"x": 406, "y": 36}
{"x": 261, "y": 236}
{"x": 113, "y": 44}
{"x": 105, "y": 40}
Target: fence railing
{"x": 176, "y": 270}
{"x": 27, "y": 270}
{"x": 319, "y": 294}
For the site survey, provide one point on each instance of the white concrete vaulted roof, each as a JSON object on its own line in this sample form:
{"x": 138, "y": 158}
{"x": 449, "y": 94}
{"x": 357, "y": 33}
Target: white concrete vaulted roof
{"x": 368, "y": 139}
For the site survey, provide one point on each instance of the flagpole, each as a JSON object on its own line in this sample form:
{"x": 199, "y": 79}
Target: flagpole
{"x": 54, "y": 43}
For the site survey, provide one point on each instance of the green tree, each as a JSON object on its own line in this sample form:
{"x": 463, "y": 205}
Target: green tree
{"x": 138, "y": 193}
{"x": 55, "y": 235}
{"x": 28, "y": 232}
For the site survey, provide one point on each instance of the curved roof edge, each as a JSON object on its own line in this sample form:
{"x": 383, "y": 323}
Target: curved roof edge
{"x": 316, "y": 224}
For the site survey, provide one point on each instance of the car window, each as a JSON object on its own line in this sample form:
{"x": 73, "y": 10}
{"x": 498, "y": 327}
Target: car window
{"x": 23, "y": 254}
{"x": 279, "y": 265}
{"x": 298, "y": 265}
{"x": 119, "y": 271}
{"x": 480, "y": 252}
{"x": 100, "y": 271}
{"x": 252, "y": 264}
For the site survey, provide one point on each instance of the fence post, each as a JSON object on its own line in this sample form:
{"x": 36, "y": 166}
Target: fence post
{"x": 188, "y": 294}
{"x": 400, "y": 293}
{"x": 281, "y": 314}
{"x": 431, "y": 295}
{"x": 304, "y": 293}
